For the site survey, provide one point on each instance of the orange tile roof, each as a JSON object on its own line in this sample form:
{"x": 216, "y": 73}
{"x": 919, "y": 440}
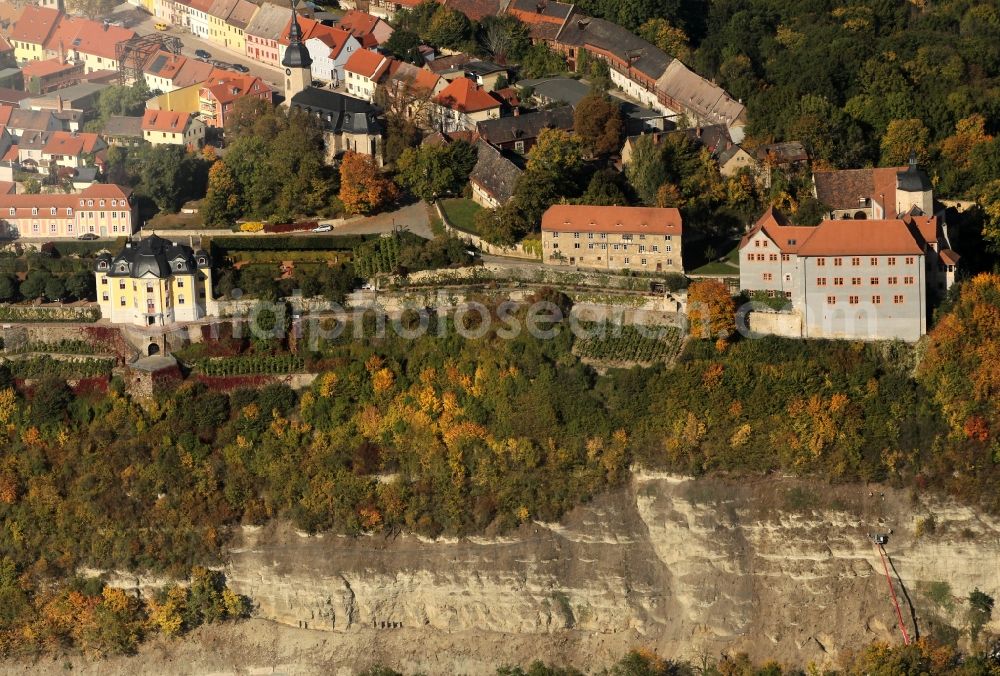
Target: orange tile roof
{"x": 466, "y": 96}
{"x": 950, "y": 257}
{"x": 6, "y": 188}
{"x": 11, "y": 155}
{"x": 62, "y": 200}
{"x": 45, "y": 67}
{"x": 166, "y": 64}
{"x": 165, "y": 120}
{"x": 71, "y": 143}
{"x": 787, "y": 237}
{"x": 35, "y": 25}
{"x": 367, "y": 63}
{"x": 5, "y": 112}
{"x": 583, "y": 218}
{"x": 4, "y": 45}
{"x": 89, "y": 37}
{"x": 231, "y": 87}
{"x": 334, "y": 38}
{"x": 358, "y": 23}
{"x": 860, "y": 237}
{"x": 419, "y": 78}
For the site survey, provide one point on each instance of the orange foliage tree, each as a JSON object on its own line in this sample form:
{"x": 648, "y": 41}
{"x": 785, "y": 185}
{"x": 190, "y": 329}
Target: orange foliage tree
{"x": 711, "y": 310}
{"x": 363, "y": 189}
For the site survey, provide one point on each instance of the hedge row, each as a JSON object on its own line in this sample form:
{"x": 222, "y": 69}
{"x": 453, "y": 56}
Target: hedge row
{"x": 88, "y": 248}
{"x": 63, "y": 346}
{"x": 44, "y": 365}
{"x": 251, "y": 365}
{"x": 13, "y": 313}
{"x": 223, "y": 245}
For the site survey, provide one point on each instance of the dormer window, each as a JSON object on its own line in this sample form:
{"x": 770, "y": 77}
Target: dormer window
{"x": 34, "y": 211}
{"x": 13, "y": 211}
{"x": 81, "y": 203}
{"x": 52, "y": 211}
{"x": 90, "y": 203}
{"x": 102, "y": 203}
{"x": 69, "y": 211}
{"x": 122, "y": 268}
{"x": 103, "y": 265}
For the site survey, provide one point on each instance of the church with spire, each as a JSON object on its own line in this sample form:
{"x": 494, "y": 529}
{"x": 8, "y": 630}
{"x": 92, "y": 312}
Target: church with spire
{"x": 297, "y": 61}
{"x": 348, "y": 124}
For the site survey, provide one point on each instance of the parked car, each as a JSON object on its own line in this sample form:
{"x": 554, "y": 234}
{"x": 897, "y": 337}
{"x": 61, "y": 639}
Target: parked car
{"x": 160, "y": 26}
{"x": 240, "y": 68}
{"x": 202, "y": 54}
{"x": 326, "y": 227}
{"x": 88, "y": 236}
{"x": 222, "y": 64}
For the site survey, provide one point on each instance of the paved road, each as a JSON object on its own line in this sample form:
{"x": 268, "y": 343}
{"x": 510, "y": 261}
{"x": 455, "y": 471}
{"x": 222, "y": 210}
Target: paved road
{"x": 191, "y": 43}
{"x": 412, "y": 217}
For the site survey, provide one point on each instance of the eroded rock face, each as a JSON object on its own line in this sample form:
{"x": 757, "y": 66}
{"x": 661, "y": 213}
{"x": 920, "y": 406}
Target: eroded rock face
{"x": 779, "y": 568}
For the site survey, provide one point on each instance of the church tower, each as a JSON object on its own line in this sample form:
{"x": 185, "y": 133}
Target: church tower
{"x": 297, "y": 62}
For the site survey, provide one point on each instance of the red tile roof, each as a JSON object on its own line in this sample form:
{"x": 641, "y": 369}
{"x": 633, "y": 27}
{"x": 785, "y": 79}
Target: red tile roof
{"x": 860, "y": 237}
{"x": 73, "y": 144}
{"x": 11, "y": 155}
{"x": 418, "y": 78}
{"x": 165, "y": 120}
{"x": 61, "y": 200}
{"x": 89, "y": 37}
{"x": 35, "y": 25}
{"x": 583, "y": 218}
{"x": 358, "y": 23}
{"x": 45, "y": 67}
{"x": 787, "y": 237}
{"x": 950, "y": 257}
{"x": 466, "y": 96}
{"x": 841, "y": 189}
{"x": 367, "y": 63}
{"x": 5, "y": 112}
{"x": 231, "y": 87}
{"x": 6, "y": 188}
{"x": 334, "y": 38}
{"x": 4, "y": 45}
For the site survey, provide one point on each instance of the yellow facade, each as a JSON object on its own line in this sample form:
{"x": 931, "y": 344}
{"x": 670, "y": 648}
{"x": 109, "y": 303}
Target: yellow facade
{"x": 235, "y": 39}
{"x": 28, "y": 51}
{"x": 183, "y": 100}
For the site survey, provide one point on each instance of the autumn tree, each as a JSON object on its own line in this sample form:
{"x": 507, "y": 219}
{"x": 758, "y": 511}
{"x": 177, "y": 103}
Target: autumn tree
{"x": 598, "y": 123}
{"x": 503, "y": 37}
{"x": 667, "y": 37}
{"x": 903, "y": 138}
{"x": 711, "y": 310}
{"x": 363, "y": 189}
{"x": 222, "y": 205}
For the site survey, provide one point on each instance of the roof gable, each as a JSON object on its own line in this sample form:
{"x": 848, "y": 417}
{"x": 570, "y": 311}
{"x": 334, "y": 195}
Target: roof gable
{"x": 585, "y": 218}
{"x": 466, "y": 96}
{"x": 861, "y": 237}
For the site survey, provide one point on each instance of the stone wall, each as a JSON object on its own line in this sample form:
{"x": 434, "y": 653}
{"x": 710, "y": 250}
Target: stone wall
{"x": 785, "y": 324}
{"x": 518, "y": 251}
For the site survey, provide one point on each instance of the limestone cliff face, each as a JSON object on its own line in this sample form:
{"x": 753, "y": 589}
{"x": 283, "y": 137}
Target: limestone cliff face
{"x": 778, "y": 568}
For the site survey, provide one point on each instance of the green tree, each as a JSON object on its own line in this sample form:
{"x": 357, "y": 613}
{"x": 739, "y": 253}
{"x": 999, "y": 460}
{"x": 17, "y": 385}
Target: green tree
{"x": 540, "y": 60}
{"x": 647, "y": 170}
{"x": 903, "y": 137}
{"x": 55, "y": 289}
{"x": 223, "y": 204}
{"x": 431, "y": 171}
{"x": 503, "y": 37}
{"x": 127, "y": 100}
{"x": 32, "y": 186}
{"x": 980, "y": 612}
{"x": 80, "y": 285}
{"x": 403, "y": 44}
{"x": 170, "y": 176}
{"x": 8, "y": 288}
{"x": 401, "y": 133}
{"x": 34, "y": 284}
{"x": 598, "y": 123}
{"x": 449, "y": 29}
{"x": 670, "y": 39}
{"x": 606, "y": 188}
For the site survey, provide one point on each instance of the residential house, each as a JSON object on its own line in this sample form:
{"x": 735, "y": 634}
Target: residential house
{"x": 488, "y": 75}
{"x": 236, "y": 26}
{"x": 462, "y": 104}
{"x": 30, "y": 145}
{"x": 409, "y": 91}
{"x": 20, "y": 121}
{"x": 735, "y": 158}
{"x": 32, "y": 31}
{"x": 555, "y": 90}
{"x": 93, "y": 42}
{"x": 103, "y": 209}
{"x": 519, "y": 132}
{"x": 713, "y": 137}
{"x": 544, "y": 18}
{"x": 198, "y": 18}
{"x": 46, "y": 75}
{"x": 369, "y": 30}
{"x": 309, "y": 29}
{"x": 612, "y": 238}
{"x": 218, "y": 14}
{"x": 263, "y": 32}
{"x": 362, "y": 72}
{"x": 120, "y": 130}
{"x": 448, "y": 63}
{"x": 167, "y": 72}
{"x": 785, "y": 155}
{"x": 7, "y": 58}
{"x": 843, "y": 278}
{"x": 154, "y": 282}
{"x": 220, "y": 94}
{"x": 71, "y": 149}
{"x": 348, "y": 123}
{"x": 330, "y": 51}
{"x": 160, "y": 127}
{"x": 69, "y": 104}
{"x": 386, "y": 9}
{"x": 493, "y": 178}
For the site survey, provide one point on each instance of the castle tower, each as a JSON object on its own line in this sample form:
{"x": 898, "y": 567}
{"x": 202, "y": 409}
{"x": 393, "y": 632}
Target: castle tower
{"x": 297, "y": 62}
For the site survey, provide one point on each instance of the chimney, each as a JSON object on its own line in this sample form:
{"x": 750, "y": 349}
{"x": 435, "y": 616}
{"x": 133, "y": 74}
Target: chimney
{"x": 59, "y": 102}
{"x": 697, "y": 131}
{"x": 517, "y": 111}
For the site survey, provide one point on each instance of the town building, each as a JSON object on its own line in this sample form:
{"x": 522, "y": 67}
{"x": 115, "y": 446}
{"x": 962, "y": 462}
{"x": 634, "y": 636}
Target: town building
{"x": 102, "y": 209}
{"x": 493, "y": 177}
{"x": 154, "y": 282}
{"x": 734, "y": 159}
{"x": 462, "y": 104}
{"x": 555, "y": 90}
{"x": 544, "y": 18}
{"x": 263, "y": 32}
{"x": 31, "y": 32}
{"x": 236, "y": 23}
{"x": 369, "y": 30}
{"x": 121, "y": 130}
{"x": 362, "y": 72}
{"x": 167, "y": 127}
{"x": 612, "y": 238}
{"x": 330, "y": 51}
{"x": 46, "y": 75}
{"x": 348, "y": 124}
{"x": 297, "y": 62}
{"x": 218, "y": 96}
{"x": 71, "y": 149}
{"x": 386, "y": 9}
{"x": 197, "y": 17}
{"x": 489, "y": 76}
{"x": 715, "y": 138}
{"x": 518, "y": 133}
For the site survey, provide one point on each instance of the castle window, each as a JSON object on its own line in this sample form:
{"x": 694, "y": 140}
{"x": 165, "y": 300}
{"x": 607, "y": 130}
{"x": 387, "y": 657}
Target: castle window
{"x": 52, "y": 211}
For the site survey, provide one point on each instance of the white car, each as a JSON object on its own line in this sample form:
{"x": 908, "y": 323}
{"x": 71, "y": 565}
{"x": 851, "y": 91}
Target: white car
{"x": 326, "y": 227}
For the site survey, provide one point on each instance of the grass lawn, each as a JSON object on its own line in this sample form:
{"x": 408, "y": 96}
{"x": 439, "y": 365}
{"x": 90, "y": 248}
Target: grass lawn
{"x": 726, "y": 265}
{"x": 461, "y": 213}
{"x": 174, "y": 221}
